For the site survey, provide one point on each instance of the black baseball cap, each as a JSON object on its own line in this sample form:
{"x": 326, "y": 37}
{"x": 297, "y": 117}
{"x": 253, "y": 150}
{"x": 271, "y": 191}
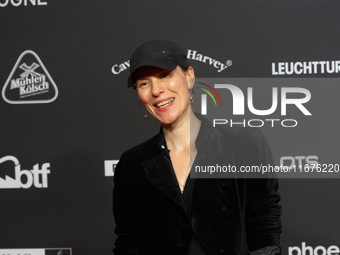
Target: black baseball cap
{"x": 158, "y": 53}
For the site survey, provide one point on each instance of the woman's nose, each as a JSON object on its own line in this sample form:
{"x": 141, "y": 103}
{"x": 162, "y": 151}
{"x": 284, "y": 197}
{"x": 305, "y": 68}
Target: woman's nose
{"x": 157, "y": 87}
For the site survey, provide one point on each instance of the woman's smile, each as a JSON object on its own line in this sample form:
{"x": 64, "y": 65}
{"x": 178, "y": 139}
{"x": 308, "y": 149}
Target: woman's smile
{"x": 164, "y": 103}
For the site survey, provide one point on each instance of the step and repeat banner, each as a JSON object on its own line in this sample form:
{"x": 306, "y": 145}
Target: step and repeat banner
{"x": 67, "y": 115}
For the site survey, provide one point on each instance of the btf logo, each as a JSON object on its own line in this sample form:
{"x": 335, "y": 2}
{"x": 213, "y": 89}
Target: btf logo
{"x": 36, "y": 176}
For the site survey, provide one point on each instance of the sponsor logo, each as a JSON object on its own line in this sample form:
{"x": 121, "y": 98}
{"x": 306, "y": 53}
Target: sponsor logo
{"x": 4, "y": 3}
{"x": 298, "y": 161}
{"x": 118, "y": 68}
{"x": 311, "y": 67}
{"x": 29, "y": 82}
{"x": 238, "y": 108}
{"x": 308, "y": 250}
{"x": 40, "y": 251}
{"x": 109, "y": 167}
{"x": 36, "y": 176}
{"x": 192, "y": 54}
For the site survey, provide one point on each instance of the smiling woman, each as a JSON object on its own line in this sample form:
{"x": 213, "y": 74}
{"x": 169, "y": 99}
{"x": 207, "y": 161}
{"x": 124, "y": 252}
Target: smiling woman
{"x": 157, "y": 207}
{"x": 165, "y": 93}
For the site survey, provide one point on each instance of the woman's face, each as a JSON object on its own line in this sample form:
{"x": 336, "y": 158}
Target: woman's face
{"x": 164, "y": 93}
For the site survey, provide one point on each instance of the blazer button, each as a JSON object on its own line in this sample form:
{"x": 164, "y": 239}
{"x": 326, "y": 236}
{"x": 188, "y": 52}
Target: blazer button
{"x": 223, "y": 208}
{"x": 222, "y": 251}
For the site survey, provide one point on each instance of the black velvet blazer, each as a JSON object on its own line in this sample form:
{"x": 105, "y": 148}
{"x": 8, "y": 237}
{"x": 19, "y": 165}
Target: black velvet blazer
{"x": 229, "y": 215}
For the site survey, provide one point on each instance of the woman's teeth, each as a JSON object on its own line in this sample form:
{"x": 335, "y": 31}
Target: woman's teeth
{"x": 164, "y": 103}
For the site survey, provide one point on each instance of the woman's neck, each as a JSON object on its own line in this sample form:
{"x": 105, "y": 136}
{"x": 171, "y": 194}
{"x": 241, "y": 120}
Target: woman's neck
{"x": 181, "y": 135}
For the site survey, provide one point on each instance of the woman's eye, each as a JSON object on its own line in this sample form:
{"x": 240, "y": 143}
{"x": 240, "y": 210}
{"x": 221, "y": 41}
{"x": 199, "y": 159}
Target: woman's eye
{"x": 141, "y": 84}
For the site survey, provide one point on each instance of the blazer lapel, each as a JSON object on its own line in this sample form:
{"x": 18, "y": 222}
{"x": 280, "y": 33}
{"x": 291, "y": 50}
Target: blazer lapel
{"x": 160, "y": 173}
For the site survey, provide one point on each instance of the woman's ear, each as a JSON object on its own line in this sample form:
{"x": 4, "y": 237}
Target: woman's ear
{"x": 191, "y": 77}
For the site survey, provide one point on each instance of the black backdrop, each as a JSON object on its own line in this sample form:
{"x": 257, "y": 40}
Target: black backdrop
{"x": 95, "y": 117}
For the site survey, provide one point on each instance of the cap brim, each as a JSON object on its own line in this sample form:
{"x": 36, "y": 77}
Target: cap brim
{"x": 166, "y": 64}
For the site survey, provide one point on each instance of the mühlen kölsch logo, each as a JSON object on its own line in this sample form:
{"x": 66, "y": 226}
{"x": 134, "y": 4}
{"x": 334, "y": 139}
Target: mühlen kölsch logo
{"x": 29, "y": 82}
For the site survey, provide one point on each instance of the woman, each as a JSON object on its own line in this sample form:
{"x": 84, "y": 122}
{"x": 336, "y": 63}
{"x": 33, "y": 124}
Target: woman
{"x": 157, "y": 208}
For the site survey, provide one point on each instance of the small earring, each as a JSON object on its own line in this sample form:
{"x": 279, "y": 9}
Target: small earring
{"x": 146, "y": 116}
{"x": 191, "y": 98}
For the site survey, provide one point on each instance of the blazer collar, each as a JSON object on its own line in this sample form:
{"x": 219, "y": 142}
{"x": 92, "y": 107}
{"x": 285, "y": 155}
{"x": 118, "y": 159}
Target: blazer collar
{"x": 160, "y": 173}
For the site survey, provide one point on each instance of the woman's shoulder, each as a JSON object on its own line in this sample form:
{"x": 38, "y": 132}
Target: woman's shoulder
{"x": 130, "y": 162}
{"x": 144, "y": 151}
{"x": 142, "y": 147}
{"x": 246, "y": 133}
